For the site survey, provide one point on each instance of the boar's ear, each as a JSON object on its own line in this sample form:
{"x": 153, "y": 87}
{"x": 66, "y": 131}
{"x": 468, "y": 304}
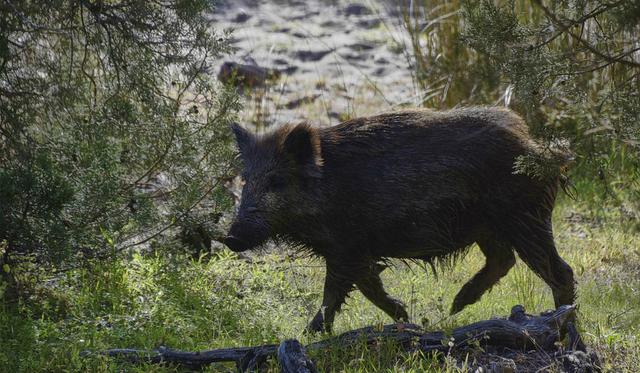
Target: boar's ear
{"x": 243, "y": 138}
{"x": 303, "y": 145}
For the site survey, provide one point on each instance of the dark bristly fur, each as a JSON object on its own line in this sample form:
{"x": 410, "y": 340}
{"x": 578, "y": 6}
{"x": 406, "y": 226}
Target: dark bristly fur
{"x": 415, "y": 185}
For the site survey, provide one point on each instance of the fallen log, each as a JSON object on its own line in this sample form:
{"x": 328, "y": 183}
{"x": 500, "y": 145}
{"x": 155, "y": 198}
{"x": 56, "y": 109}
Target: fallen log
{"x": 518, "y": 332}
{"x": 246, "y": 358}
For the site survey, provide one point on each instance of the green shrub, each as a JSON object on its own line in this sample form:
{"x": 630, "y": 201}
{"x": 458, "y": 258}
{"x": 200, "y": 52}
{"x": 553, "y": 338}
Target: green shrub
{"x": 111, "y": 128}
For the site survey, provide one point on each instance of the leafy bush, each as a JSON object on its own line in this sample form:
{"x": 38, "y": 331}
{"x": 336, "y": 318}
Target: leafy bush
{"x": 111, "y": 129}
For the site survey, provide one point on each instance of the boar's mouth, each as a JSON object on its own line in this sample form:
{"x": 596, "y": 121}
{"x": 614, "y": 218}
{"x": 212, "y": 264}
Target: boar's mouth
{"x": 238, "y": 245}
{"x": 243, "y": 236}
{"x": 249, "y": 230}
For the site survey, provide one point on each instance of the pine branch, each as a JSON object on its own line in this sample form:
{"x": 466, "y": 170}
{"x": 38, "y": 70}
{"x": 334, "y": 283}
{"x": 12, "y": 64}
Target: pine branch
{"x": 567, "y": 28}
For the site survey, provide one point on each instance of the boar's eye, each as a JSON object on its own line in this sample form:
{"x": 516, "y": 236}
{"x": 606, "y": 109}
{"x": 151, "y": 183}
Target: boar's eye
{"x": 276, "y": 182}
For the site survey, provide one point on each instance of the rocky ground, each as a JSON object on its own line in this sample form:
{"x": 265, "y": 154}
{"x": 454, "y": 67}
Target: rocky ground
{"x": 335, "y": 60}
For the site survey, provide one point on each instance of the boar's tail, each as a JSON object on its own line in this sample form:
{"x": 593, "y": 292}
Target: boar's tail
{"x": 548, "y": 164}
{"x": 565, "y": 161}
{"x": 568, "y": 187}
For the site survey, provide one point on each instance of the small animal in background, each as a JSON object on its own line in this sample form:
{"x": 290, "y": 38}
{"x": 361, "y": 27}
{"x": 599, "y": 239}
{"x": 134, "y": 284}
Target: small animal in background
{"x": 414, "y": 184}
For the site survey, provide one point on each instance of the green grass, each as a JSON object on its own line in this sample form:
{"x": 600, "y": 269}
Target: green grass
{"x": 187, "y": 304}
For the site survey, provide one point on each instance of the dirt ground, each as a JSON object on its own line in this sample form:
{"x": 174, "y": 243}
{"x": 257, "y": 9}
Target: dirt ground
{"x": 338, "y": 59}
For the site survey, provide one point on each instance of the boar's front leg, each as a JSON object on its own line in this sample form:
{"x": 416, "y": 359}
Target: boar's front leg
{"x": 336, "y": 288}
{"x": 372, "y": 288}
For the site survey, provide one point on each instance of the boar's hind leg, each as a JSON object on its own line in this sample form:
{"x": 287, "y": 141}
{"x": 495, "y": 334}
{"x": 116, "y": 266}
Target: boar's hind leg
{"x": 534, "y": 244}
{"x": 336, "y": 289}
{"x": 499, "y": 260}
{"x": 372, "y": 288}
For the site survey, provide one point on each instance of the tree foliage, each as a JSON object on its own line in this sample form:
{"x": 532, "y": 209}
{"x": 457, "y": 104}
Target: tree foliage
{"x": 111, "y": 129}
{"x": 572, "y": 68}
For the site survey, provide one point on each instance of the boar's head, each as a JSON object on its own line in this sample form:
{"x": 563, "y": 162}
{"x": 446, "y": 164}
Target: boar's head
{"x": 280, "y": 171}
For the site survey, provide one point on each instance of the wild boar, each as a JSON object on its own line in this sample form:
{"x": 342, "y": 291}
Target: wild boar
{"x": 414, "y": 184}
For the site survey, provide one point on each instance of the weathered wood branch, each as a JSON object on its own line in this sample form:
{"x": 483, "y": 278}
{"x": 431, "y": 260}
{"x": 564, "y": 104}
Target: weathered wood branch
{"x": 519, "y": 331}
{"x": 293, "y": 358}
{"x": 245, "y": 358}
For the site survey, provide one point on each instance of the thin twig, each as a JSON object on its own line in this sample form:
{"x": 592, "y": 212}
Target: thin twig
{"x": 567, "y": 28}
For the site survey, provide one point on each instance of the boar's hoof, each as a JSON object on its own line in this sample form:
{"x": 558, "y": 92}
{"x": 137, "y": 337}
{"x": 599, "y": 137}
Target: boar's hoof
{"x": 457, "y": 306}
{"x": 317, "y": 325}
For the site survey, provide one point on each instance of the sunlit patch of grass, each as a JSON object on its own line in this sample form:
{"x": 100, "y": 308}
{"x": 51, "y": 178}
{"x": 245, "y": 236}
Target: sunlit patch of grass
{"x": 223, "y": 301}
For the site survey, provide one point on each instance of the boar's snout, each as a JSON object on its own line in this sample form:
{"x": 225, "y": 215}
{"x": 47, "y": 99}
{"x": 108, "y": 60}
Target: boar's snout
{"x": 236, "y": 244}
{"x": 245, "y": 234}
